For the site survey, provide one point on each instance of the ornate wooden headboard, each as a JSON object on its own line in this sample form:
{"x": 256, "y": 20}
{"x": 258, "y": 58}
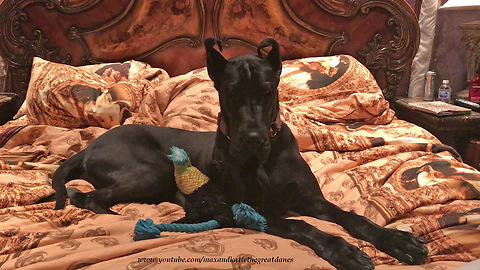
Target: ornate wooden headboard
{"x": 382, "y": 34}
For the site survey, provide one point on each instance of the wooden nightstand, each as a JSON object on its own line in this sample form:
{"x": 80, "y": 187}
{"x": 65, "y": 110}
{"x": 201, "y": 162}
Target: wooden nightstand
{"x": 7, "y": 106}
{"x": 456, "y": 131}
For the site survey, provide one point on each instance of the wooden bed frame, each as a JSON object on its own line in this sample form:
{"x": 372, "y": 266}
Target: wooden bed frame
{"x": 382, "y": 34}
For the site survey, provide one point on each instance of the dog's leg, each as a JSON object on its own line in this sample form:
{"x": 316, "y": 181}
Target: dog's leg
{"x": 141, "y": 185}
{"x": 69, "y": 170}
{"x": 334, "y": 249}
{"x": 398, "y": 244}
{"x": 306, "y": 198}
{"x": 93, "y": 200}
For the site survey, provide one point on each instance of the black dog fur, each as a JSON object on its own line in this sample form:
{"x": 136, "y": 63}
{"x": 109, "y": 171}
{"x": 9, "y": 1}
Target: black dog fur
{"x": 244, "y": 159}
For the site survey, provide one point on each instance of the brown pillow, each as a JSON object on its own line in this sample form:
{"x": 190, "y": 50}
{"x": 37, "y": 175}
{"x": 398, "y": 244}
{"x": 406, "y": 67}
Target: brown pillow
{"x": 101, "y": 95}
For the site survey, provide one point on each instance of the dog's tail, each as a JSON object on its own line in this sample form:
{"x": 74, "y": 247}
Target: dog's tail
{"x": 69, "y": 170}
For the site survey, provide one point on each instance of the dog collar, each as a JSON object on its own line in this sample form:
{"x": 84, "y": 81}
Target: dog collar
{"x": 274, "y": 126}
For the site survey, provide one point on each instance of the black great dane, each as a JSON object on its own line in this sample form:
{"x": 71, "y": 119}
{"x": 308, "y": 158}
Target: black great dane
{"x": 253, "y": 158}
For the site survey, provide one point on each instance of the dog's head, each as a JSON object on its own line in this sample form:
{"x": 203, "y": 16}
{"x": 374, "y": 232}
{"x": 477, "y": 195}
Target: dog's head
{"x": 247, "y": 89}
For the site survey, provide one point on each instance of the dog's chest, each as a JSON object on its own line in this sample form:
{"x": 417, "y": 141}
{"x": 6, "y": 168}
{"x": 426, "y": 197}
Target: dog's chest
{"x": 247, "y": 183}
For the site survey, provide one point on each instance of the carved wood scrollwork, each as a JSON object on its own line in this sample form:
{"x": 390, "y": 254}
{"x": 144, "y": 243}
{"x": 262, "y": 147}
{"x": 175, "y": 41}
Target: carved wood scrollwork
{"x": 237, "y": 21}
{"x": 19, "y": 56}
{"x": 169, "y": 34}
{"x": 383, "y": 55}
{"x": 168, "y": 23}
{"x": 66, "y": 6}
{"x": 395, "y": 55}
{"x": 246, "y": 23}
{"x": 345, "y": 8}
{"x": 142, "y": 29}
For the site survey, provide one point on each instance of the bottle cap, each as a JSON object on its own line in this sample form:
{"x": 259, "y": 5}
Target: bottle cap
{"x": 446, "y": 81}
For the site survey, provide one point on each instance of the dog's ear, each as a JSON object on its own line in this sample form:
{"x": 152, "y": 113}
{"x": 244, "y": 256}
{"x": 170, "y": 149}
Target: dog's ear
{"x": 273, "y": 56}
{"x": 215, "y": 61}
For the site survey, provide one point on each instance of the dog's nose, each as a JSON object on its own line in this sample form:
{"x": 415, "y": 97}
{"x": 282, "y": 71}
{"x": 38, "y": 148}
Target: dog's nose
{"x": 254, "y": 138}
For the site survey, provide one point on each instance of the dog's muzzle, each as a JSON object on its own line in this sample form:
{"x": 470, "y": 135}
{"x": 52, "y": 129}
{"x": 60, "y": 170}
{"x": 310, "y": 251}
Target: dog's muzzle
{"x": 251, "y": 142}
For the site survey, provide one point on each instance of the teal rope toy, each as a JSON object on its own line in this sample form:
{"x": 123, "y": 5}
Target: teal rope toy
{"x": 146, "y": 229}
{"x": 203, "y": 202}
{"x": 245, "y": 217}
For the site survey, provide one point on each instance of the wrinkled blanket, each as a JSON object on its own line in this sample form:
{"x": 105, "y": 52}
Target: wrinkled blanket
{"x": 365, "y": 160}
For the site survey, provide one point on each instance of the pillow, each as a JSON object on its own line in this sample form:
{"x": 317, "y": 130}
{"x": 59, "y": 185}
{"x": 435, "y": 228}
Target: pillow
{"x": 187, "y": 101}
{"x": 312, "y": 91}
{"x": 336, "y": 89}
{"x": 102, "y": 95}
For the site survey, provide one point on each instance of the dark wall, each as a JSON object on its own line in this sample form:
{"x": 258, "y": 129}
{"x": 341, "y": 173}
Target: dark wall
{"x": 449, "y": 52}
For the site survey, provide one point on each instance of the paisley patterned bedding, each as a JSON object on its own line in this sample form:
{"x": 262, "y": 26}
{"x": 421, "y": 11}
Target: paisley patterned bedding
{"x": 365, "y": 160}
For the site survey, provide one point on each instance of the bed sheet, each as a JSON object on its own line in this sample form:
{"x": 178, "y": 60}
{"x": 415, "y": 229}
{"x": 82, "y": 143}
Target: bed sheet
{"x": 365, "y": 160}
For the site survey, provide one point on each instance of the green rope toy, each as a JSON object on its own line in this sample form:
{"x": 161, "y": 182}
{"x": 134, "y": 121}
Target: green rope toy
{"x": 203, "y": 202}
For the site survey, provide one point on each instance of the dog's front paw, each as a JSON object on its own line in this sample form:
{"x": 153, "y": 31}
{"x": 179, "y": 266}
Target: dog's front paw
{"x": 403, "y": 246}
{"x": 344, "y": 256}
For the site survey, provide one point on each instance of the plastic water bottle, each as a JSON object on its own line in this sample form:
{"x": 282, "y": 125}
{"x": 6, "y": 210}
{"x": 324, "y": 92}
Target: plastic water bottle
{"x": 445, "y": 92}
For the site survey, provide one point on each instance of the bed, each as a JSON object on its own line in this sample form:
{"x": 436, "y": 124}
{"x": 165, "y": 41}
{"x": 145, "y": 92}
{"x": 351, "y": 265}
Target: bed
{"x": 83, "y": 67}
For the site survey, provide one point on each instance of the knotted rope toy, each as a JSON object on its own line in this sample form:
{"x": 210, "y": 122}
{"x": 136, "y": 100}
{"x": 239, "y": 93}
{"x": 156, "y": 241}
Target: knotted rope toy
{"x": 205, "y": 207}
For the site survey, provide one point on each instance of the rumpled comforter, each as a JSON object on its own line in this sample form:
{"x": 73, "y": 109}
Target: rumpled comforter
{"x": 365, "y": 160}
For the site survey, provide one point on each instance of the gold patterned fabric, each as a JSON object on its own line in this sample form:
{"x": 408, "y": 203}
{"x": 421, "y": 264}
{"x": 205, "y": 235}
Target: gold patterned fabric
{"x": 97, "y": 95}
{"x": 365, "y": 160}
